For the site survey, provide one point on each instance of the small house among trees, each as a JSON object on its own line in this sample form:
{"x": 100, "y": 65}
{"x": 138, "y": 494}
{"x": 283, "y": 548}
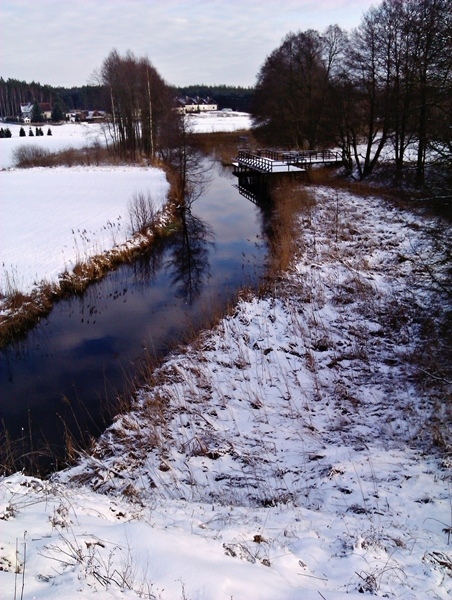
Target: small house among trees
{"x": 195, "y": 105}
{"x": 35, "y": 112}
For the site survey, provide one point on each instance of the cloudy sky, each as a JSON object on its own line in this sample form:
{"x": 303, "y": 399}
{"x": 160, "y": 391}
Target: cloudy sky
{"x": 62, "y": 43}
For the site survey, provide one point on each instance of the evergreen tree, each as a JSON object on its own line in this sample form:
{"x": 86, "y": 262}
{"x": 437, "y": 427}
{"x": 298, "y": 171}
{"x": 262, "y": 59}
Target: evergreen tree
{"x": 2, "y": 133}
{"x": 57, "y": 114}
{"x": 49, "y": 131}
{"x": 36, "y": 113}
{"x": 8, "y": 133}
{"x": 22, "y": 132}
{"x": 30, "y": 132}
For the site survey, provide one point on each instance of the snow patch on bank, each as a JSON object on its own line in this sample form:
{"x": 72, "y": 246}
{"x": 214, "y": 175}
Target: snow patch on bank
{"x": 54, "y": 218}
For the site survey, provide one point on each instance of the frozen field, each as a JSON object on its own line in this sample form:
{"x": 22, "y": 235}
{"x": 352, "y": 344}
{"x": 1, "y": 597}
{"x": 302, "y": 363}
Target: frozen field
{"x": 54, "y": 218}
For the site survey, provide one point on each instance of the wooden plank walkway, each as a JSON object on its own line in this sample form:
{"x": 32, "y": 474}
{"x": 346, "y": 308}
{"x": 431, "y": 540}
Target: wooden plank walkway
{"x": 276, "y": 161}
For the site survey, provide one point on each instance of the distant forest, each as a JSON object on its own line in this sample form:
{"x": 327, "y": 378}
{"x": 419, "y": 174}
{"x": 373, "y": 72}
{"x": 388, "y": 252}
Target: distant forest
{"x": 14, "y": 92}
{"x": 237, "y": 98}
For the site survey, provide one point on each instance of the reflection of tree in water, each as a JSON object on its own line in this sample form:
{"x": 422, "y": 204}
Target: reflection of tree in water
{"x": 147, "y": 264}
{"x": 189, "y": 257}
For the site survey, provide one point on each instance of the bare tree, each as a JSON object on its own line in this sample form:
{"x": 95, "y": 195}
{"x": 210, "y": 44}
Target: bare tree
{"x": 293, "y": 86}
{"x": 432, "y": 50}
{"x": 139, "y": 98}
{"x": 189, "y": 167}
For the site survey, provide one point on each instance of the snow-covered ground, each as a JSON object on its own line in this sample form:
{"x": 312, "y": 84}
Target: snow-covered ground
{"x": 212, "y": 122}
{"x": 287, "y": 454}
{"x": 53, "y": 218}
{"x": 68, "y": 135}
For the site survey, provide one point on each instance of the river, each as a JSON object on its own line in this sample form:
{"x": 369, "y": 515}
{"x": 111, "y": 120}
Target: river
{"x": 64, "y": 379}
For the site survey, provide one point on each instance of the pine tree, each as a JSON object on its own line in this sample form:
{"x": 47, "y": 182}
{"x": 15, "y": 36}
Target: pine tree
{"x": 36, "y": 113}
{"x": 49, "y": 131}
{"x": 57, "y": 114}
{"x": 22, "y": 132}
{"x": 30, "y": 132}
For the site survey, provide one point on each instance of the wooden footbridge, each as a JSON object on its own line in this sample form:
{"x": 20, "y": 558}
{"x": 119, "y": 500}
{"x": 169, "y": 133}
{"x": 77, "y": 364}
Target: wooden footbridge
{"x": 267, "y": 162}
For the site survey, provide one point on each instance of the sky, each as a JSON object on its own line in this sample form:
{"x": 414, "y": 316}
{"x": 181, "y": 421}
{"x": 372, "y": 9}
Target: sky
{"x": 189, "y": 42}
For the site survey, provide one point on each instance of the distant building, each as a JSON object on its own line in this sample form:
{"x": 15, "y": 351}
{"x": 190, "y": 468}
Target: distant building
{"x": 26, "y": 110}
{"x": 191, "y": 105}
{"x": 46, "y": 110}
{"x": 95, "y": 115}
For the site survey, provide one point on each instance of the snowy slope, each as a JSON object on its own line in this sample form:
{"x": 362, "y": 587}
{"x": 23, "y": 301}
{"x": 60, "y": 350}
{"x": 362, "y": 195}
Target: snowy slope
{"x": 287, "y": 454}
{"x": 69, "y": 135}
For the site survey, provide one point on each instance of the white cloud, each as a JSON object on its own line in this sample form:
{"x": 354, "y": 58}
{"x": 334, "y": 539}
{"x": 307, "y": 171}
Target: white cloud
{"x": 200, "y": 41}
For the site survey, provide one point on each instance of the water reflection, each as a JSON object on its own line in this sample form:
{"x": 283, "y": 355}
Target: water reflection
{"x": 189, "y": 257}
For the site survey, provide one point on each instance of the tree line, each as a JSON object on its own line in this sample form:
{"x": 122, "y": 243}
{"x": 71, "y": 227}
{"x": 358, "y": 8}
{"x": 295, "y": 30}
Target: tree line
{"x": 226, "y": 96}
{"x": 388, "y": 82}
{"x": 13, "y": 93}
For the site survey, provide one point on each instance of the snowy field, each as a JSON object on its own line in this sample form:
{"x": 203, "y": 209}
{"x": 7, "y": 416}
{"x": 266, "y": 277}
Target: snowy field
{"x": 53, "y": 218}
{"x": 212, "y": 122}
{"x": 69, "y": 135}
{"x": 288, "y": 454}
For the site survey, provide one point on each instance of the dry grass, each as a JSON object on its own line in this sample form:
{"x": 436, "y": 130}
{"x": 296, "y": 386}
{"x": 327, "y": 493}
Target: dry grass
{"x": 224, "y": 145}
{"x": 22, "y": 311}
{"x": 290, "y": 200}
{"x": 30, "y": 155}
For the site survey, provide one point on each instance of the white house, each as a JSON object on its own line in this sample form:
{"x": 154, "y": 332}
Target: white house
{"x": 191, "y": 105}
{"x": 26, "y": 110}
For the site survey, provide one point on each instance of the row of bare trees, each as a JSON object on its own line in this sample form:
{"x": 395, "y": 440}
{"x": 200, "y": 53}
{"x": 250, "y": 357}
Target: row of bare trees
{"x": 140, "y": 102}
{"x": 144, "y": 123}
{"x": 389, "y": 81}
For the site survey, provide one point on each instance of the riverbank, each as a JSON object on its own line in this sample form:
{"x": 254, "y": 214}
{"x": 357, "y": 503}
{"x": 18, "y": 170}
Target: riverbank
{"x": 300, "y": 447}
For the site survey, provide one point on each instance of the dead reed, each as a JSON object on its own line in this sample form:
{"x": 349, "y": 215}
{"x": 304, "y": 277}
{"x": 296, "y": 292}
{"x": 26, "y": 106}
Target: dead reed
{"x": 289, "y": 200}
{"x": 23, "y": 311}
{"x": 224, "y": 145}
{"x": 31, "y": 155}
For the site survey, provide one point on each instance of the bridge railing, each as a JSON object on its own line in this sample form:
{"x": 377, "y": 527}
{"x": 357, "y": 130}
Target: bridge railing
{"x": 292, "y": 156}
{"x": 255, "y": 161}
{"x": 264, "y": 160}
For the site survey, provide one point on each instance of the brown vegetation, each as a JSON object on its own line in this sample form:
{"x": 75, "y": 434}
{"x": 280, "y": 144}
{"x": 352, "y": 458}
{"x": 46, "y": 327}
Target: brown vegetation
{"x": 224, "y": 145}
{"x": 22, "y": 311}
{"x": 30, "y": 155}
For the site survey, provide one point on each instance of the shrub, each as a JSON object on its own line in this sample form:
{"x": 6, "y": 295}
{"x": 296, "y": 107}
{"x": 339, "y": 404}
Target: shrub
{"x": 141, "y": 212}
{"x": 32, "y": 156}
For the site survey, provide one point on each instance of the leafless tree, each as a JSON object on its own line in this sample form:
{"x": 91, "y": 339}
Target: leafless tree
{"x": 390, "y": 81}
{"x": 292, "y": 89}
{"x": 139, "y": 99}
{"x": 188, "y": 164}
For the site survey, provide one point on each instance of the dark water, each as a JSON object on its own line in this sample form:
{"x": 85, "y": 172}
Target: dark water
{"x": 65, "y": 376}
